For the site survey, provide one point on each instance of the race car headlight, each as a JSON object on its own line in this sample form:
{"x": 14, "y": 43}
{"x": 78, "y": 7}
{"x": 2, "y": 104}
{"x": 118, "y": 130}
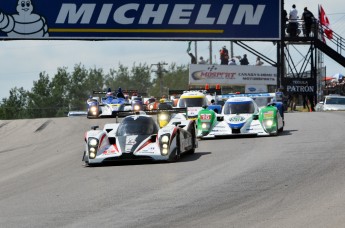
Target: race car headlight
{"x": 163, "y": 117}
{"x": 93, "y": 142}
{"x": 165, "y": 139}
{"x": 165, "y": 152}
{"x": 93, "y": 146}
{"x": 205, "y": 126}
{"x": 164, "y": 144}
{"x": 268, "y": 123}
{"x": 92, "y": 155}
{"x": 93, "y": 109}
{"x": 136, "y": 107}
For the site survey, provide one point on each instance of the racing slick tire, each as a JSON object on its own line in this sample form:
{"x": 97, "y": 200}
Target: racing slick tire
{"x": 192, "y": 151}
{"x": 280, "y": 130}
{"x": 175, "y": 156}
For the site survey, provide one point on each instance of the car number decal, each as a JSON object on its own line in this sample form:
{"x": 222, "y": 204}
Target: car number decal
{"x": 205, "y": 116}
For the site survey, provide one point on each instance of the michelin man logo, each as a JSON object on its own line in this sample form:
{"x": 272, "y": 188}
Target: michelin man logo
{"x": 25, "y": 24}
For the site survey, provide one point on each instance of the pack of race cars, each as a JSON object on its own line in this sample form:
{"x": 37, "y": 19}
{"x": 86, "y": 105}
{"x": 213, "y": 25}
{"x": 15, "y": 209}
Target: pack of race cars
{"x": 174, "y": 131}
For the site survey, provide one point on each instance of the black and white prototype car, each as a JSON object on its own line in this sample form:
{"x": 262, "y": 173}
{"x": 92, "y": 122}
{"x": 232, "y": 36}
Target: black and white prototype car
{"x": 139, "y": 137}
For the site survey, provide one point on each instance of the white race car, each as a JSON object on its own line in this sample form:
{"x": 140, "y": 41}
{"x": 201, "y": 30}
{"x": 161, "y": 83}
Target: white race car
{"x": 138, "y": 137}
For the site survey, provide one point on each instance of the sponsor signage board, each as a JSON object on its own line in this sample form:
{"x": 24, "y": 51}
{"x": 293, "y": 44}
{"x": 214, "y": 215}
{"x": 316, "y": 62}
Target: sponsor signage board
{"x": 140, "y": 19}
{"x": 200, "y": 74}
{"x": 300, "y": 85}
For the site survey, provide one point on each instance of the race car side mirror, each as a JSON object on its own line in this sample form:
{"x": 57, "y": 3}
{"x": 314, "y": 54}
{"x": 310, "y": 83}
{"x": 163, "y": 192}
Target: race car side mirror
{"x": 112, "y": 140}
{"x": 153, "y": 138}
{"x": 94, "y": 127}
{"x": 177, "y": 123}
{"x": 255, "y": 117}
{"x": 220, "y": 118}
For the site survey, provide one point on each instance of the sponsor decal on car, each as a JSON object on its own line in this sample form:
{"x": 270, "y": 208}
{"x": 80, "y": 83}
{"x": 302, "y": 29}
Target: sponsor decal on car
{"x": 130, "y": 142}
{"x": 237, "y": 119}
{"x": 268, "y": 114}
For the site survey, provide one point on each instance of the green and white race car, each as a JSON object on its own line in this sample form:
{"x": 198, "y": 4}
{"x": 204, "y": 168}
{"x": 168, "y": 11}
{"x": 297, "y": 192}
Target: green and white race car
{"x": 241, "y": 116}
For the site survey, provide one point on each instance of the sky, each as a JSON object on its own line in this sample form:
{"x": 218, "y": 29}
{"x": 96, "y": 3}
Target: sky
{"x": 22, "y": 61}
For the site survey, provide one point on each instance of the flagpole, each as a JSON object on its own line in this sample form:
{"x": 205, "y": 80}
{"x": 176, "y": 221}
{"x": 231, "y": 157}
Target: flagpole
{"x": 210, "y": 52}
{"x": 196, "y": 50}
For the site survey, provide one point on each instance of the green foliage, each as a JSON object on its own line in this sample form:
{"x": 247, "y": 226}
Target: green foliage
{"x": 67, "y": 91}
{"x": 176, "y": 77}
{"x": 14, "y": 107}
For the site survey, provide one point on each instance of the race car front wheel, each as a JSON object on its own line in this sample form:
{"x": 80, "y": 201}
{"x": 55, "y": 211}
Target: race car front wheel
{"x": 176, "y": 153}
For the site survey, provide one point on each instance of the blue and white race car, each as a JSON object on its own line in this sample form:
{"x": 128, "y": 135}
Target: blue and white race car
{"x": 138, "y": 137}
{"x": 241, "y": 115}
{"x": 108, "y": 106}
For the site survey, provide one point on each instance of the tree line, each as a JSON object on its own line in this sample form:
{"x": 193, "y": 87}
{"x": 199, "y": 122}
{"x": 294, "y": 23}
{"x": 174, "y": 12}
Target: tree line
{"x": 66, "y": 91}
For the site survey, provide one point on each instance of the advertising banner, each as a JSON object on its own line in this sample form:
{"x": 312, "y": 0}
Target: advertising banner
{"x": 300, "y": 85}
{"x": 255, "y": 89}
{"x": 140, "y": 19}
{"x": 200, "y": 74}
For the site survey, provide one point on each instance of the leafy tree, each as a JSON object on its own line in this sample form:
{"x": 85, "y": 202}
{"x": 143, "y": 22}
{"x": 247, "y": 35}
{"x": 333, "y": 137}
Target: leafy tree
{"x": 15, "y": 105}
{"x": 176, "y": 77}
{"x": 94, "y": 81}
{"x": 69, "y": 91}
{"x": 41, "y": 103}
{"x": 60, "y": 91}
{"x": 77, "y": 84}
{"x": 118, "y": 78}
{"x": 141, "y": 78}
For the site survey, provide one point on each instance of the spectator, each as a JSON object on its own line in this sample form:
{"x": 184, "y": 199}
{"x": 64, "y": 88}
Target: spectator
{"x": 90, "y": 99}
{"x": 244, "y": 60}
{"x": 120, "y": 93}
{"x": 308, "y": 18}
{"x": 232, "y": 62}
{"x": 258, "y": 62}
{"x": 202, "y": 61}
{"x": 193, "y": 59}
{"x": 285, "y": 15}
{"x": 293, "y": 24}
{"x": 224, "y": 56}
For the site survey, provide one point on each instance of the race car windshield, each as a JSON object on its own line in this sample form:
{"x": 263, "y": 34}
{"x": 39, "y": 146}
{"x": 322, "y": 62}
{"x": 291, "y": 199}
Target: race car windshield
{"x": 262, "y": 101}
{"x": 137, "y": 125}
{"x": 335, "y": 101}
{"x": 191, "y": 102}
{"x": 238, "y": 107}
{"x": 137, "y": 99}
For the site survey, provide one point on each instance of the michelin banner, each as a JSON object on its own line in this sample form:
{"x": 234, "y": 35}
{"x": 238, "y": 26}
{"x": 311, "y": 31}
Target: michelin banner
{"x": 200, "y": 74}
{"x": 140, "y": 19}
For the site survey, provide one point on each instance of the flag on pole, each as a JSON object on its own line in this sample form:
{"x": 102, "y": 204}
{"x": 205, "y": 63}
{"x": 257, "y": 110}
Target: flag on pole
{"x": 189, "y": 46}
{"x": 325, "y": 23}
